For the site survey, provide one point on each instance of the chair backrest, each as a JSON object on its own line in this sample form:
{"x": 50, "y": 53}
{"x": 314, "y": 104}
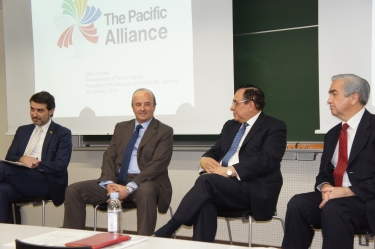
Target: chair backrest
{"x": 23, "y": 245}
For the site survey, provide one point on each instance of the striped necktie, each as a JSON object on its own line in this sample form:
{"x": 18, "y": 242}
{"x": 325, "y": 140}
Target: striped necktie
{"x": 235, "y": 144}
{"x": 33, "y": 141}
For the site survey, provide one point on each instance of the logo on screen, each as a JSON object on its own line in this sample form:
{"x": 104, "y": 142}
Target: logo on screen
{"x": 77, "y": 21}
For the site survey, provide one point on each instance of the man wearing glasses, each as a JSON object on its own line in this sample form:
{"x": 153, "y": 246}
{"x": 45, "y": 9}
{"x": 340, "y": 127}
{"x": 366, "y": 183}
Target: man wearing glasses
{"x": 241, "y": 170}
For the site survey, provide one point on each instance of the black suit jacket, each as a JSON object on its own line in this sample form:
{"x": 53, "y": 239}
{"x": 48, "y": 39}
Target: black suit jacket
{"x": 56, "y": 153}
{"x": 259, "y": 161}
{"x": 361, "y": 163}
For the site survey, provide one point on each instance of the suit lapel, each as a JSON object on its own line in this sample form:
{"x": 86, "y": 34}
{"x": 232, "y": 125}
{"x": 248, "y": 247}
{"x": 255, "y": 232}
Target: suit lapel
{"x": 255, "y": 128}
{"x": 361, "y": 136}
{"x": 123, "y": 141}
{"x": 25, "y": 139}
{"x": 150, "y": 132}
{"x": 333, "y": 140}
{"x": 47, "y": 139}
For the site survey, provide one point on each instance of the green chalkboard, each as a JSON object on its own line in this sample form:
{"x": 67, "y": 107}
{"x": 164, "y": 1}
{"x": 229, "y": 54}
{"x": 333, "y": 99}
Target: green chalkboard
{"x": 275, "y": 47}
{"x": 282, "y": 62}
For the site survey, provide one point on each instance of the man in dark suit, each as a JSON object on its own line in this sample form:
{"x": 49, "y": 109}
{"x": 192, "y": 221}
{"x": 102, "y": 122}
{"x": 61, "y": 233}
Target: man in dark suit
{"x": 242, "y": 169}
{"x": 43, "y": 149}
{"x": 344, "y": 197}
{"x": 146, "y": 181}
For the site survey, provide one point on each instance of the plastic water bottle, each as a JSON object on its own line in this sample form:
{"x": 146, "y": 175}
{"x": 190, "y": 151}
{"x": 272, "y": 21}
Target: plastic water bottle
{"x": 114, "y": 214}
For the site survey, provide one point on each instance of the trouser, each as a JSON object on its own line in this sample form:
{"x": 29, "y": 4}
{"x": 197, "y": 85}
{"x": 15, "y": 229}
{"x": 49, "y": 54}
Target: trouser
{"x": 199, "y": 206}
{"x": 17, "y": 182}
{"x": 77, "y": 195}
{"x": 339, "y": 219}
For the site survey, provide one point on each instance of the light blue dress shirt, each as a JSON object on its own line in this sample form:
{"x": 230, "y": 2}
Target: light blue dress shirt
{"x": 133, "y": 165}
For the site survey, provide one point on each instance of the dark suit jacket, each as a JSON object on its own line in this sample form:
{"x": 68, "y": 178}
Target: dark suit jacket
{"x": 361, "y": 163}
{"x": 154, "y": 155}
{"x": 56, "y": 153}
{"x": 259, "y": 161}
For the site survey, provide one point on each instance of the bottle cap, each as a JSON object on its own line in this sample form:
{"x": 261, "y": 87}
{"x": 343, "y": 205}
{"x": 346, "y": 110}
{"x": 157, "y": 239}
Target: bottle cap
{"x": 114, "y": 195}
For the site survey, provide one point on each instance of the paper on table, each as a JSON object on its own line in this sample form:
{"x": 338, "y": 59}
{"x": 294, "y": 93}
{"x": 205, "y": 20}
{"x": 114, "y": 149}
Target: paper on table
{"x": 14, "y": 163}
{"x": 125, "y": 244}
{"x": 56, "y": 238}
{"x": 60, "y": 238}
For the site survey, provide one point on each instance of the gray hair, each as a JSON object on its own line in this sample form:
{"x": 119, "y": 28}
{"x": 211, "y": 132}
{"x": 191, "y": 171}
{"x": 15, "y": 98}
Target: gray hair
{"x": 146, "y": 90}
{"x": 354, "y": 84}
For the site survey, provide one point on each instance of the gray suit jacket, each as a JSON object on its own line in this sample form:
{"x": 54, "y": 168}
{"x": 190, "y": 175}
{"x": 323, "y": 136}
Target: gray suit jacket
{"x": 154, "y": 155}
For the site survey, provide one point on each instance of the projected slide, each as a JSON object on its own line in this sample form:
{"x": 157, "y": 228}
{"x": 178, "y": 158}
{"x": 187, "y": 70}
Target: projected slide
{"x": 93, "y": 54}
{"x": 352, "y": 54}
{"x": 98, "y": 52}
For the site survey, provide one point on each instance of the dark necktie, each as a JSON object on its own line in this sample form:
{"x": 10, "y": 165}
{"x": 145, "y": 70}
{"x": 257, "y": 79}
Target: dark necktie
{"x": 122, "y": 178}
{"x": 234, "y": 146}
{"x": 342, "y": 162}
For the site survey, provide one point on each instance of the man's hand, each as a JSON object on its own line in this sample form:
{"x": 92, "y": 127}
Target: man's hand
{"x": 329, "y": 192}
{"x": 29, "y": 161}
{"x": 220, "y": 171}
{"x": 209, "y": 164}
{"x": 117, "y": 188}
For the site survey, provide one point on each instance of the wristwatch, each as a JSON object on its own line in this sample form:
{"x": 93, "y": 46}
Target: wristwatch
{"x": 129, "y": 190}
{"x": 229, "y": 171}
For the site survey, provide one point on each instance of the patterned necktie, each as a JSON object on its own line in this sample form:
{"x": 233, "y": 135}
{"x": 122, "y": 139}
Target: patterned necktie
{"x": 234, "y": 146}
{"x": 342, "y": 162}
{"x": 33, "y": 141}
{"x": 122, "y": 178}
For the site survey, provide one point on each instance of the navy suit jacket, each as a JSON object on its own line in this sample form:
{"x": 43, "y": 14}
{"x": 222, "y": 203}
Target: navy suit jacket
{"x": 361, "y": 163}
{"x": 56, "y": 153}
{"x": 259, "y": 161}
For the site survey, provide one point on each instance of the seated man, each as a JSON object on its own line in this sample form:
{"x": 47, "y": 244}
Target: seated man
{"x": 242, "y": 169}
{"x": 344, "y": 197}
{"x": 44, "y": 148}
{"x": 135, "y": 164}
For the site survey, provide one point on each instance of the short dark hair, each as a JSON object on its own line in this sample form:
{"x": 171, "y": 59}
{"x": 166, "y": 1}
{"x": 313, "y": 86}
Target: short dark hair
{"x": 255, "y": 94}
{"x": 44, "y": 97}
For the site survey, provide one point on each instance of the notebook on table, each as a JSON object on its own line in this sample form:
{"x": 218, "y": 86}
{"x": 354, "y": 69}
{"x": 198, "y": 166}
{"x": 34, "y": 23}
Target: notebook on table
{"x": 100, "y": 240}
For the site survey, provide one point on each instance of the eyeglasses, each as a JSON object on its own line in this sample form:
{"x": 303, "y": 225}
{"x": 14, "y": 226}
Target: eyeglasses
{"x": 235, "y": 103}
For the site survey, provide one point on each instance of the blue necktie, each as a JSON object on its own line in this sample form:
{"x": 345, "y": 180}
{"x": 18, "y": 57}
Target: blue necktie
{"x": 234, "y": 146}
{"x": 122, "y": 178}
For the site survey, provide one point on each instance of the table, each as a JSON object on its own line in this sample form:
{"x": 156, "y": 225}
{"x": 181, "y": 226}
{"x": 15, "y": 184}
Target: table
{"x": 10, "y": 232}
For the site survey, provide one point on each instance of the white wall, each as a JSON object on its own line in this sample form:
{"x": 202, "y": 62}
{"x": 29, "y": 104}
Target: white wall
{"x": 4, "y": 140}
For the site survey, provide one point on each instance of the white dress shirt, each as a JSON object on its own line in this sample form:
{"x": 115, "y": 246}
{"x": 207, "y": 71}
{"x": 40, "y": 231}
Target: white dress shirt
{"x": 37, "y": 151}
{"x": 351, "y": 131}
{"x": 235, "y": 158}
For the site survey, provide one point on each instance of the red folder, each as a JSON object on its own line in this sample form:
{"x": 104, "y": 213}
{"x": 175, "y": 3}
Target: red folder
{"x": 100, "y": 240}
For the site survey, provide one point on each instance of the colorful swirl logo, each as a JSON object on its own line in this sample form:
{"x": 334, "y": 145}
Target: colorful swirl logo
{"x": 77, "y": 22}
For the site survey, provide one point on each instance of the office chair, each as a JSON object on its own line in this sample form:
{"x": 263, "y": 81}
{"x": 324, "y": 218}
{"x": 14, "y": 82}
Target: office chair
{"x": 36, "y": 201}
{"x": 245, "y": 215}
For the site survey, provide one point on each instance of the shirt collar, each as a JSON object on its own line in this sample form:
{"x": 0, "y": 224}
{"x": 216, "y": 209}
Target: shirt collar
{"x": 46, "y": 126}
{"x": 353, "y": 122}
{"x": 144, "y": 125}
{"x": 253, "y": 119}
